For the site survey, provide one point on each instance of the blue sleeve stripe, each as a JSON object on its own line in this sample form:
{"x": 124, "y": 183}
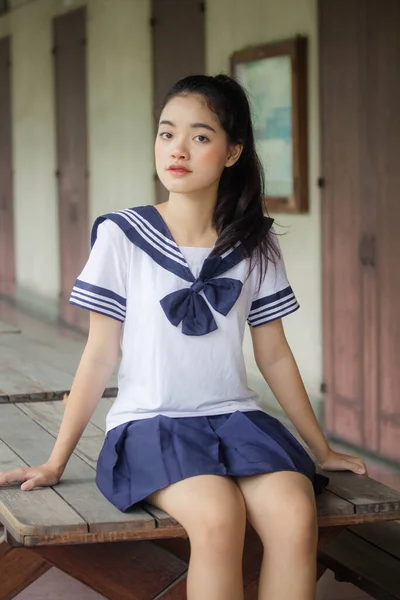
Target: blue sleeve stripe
{"x": 281, "y": 295}
{"x": 97, "y": 305}
{"x": 78, "y": 295}
{"x": 95, "y": 289}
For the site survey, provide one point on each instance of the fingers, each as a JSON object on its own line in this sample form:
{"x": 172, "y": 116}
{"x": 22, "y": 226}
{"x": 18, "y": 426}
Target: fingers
{"x": 31, "y": 483}
{"x": 356, "y": 465}
{"x": 16, "y": 475}
{"x": 29, "y": 478}
{"x": 345, "y": 462}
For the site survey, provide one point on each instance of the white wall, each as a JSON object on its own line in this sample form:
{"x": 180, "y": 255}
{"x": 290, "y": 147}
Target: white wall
{"x": 231, "y": 26}
{"x": 119, "y": 118}
{"x": 120, "y": 105}
{"x": 35, "y": 205}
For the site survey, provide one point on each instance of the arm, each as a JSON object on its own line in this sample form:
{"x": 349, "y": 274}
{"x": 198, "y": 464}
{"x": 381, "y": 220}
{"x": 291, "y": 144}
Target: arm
{"x": 279, "y": 369}
{"x": 95, "y": 368}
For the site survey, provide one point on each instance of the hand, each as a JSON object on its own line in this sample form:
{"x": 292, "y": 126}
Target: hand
{"x": 32, "y": 477}
{"x": 335, "y": 461}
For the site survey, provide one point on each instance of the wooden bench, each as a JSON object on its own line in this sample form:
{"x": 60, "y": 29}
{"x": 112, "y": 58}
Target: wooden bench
{"x": 368, "y": 556}
{"x": 142, "y": 554}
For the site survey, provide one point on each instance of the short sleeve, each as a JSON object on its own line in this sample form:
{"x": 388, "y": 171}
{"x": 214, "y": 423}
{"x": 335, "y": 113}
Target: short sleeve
{"x": 275, "y": 298}
{"x": 101, "y": 287}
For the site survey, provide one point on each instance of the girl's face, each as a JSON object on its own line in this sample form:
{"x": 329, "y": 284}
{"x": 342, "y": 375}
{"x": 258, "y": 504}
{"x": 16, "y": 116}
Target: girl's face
{"x": 191, "y": 148}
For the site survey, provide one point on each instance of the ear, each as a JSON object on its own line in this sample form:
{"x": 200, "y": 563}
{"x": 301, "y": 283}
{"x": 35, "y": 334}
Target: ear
{"x": 234, "y": 155}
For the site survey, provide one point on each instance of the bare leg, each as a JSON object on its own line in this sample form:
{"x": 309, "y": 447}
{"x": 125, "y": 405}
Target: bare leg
{"x": 281, "y": 508}
{"x": 212, "y": 510}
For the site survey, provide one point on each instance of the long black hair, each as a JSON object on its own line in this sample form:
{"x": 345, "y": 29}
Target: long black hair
{"x": 239, "y": 212}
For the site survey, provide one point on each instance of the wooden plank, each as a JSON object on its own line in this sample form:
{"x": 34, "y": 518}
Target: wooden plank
{"x": 162, "y": 518}
{"x": 33, "y": 367}
{"x": 330, "y": 505}
{"x": 15, "y": 384}
{"x": 127, "y": 534}
{"x": 129, "y": 571}
{"x": 54, "y": 350}
{"x": 39, "y": 512}
{"x": 364, "y": 565}
{"x": 383, "y": 535}
{"x": 159, "y": 533}
{"x": 176, "y": 591}
{"x": 49, "y": 415}
{"x": 77, "y": 487}
{"x": 46, "y": 369}
{"x": 367, "y": 495}
{"x": 57, "y": 352}
{"x": 19, "y": 568}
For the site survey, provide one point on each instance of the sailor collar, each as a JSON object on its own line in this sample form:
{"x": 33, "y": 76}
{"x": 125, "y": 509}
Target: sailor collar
{"x": 145, "y": 228}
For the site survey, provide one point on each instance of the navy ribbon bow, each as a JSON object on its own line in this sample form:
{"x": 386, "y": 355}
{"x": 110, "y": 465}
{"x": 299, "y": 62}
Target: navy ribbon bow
{"x": 189, "y": 308}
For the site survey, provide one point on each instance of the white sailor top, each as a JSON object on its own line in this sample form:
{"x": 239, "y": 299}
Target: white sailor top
{"x": 183, "y": 313}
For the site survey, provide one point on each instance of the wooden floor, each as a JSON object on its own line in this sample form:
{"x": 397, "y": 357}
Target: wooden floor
{"x": 55, "y": 584}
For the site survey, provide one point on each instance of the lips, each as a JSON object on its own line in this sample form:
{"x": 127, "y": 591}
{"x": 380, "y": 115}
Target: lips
{"x": 178, "y": 169}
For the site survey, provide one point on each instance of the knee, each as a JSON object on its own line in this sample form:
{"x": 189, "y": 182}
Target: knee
{"x": 292, "y": 522}
{"x": 219, "y": 528}
{"x": 302, "y": 525}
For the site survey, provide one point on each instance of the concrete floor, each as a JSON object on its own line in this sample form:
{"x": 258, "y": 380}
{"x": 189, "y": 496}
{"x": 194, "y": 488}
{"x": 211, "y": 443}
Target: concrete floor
{"x": 55, "y": 585}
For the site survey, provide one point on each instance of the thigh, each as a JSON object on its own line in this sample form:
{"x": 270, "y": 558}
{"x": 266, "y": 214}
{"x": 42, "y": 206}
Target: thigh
{"x": 280, "y": 505}
{"x": 213, "y": 502}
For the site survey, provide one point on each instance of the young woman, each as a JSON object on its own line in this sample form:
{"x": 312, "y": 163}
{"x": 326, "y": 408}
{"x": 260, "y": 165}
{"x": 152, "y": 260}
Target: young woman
{"x": 175, "y": 285}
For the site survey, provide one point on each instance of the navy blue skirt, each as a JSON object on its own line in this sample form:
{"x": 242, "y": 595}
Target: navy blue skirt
{"x": 141, "y": 457}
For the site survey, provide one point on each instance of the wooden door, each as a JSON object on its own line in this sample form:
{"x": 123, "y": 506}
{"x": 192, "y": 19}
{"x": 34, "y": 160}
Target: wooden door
{"x": 383, "y": 180}
{"x": 7, "y": 260}
{"x": 342, "y": 56}
{"x": 72, "y": 170}
{"x": 360, "y": 96}
{"x": 178, "y": 50}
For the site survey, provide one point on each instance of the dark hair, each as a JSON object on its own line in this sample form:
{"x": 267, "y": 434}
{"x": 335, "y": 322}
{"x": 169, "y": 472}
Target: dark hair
{"x": 239, "y": 212}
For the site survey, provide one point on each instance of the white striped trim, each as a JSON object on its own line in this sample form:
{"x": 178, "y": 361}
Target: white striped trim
{"x": 281, "y": 301}
{"x": 159, "y": 244}
{"x": 147, "y": 224}
{"x": 272, "y": 315}
{"x": 98, "y": 300}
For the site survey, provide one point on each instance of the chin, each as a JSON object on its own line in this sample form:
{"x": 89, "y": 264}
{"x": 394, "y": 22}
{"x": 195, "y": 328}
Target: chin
{"x": 181, "y": 187}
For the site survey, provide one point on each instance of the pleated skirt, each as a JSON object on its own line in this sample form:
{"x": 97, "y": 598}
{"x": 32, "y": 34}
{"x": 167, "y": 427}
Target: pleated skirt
{"x": 143, "y": 456}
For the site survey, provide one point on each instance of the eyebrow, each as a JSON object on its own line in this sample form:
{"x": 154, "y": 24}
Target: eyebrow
{"x": 193, "y": 125}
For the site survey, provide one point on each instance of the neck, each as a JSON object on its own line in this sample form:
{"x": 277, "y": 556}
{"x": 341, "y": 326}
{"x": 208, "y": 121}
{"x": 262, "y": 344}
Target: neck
{"x": 189, "y": 219}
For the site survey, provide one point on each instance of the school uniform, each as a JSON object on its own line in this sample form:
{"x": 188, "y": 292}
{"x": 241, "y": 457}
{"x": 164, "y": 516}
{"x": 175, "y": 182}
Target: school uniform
{"x": 183, "y": 407}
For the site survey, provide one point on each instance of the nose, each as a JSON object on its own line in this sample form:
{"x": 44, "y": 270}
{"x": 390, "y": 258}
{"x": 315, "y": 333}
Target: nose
{"x": 179, "y": 151}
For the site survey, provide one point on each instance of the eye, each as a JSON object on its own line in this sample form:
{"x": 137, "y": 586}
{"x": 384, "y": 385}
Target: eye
{"x": 165, "y": 135}
{"x": 202, "y": 138}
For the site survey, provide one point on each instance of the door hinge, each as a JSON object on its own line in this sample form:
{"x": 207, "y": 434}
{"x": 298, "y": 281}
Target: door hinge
{"x": 321, "y": 182}
{"x": 202, "y": 7}
{"x": 323, "y": 388}
{"x": 153, "y": 21}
